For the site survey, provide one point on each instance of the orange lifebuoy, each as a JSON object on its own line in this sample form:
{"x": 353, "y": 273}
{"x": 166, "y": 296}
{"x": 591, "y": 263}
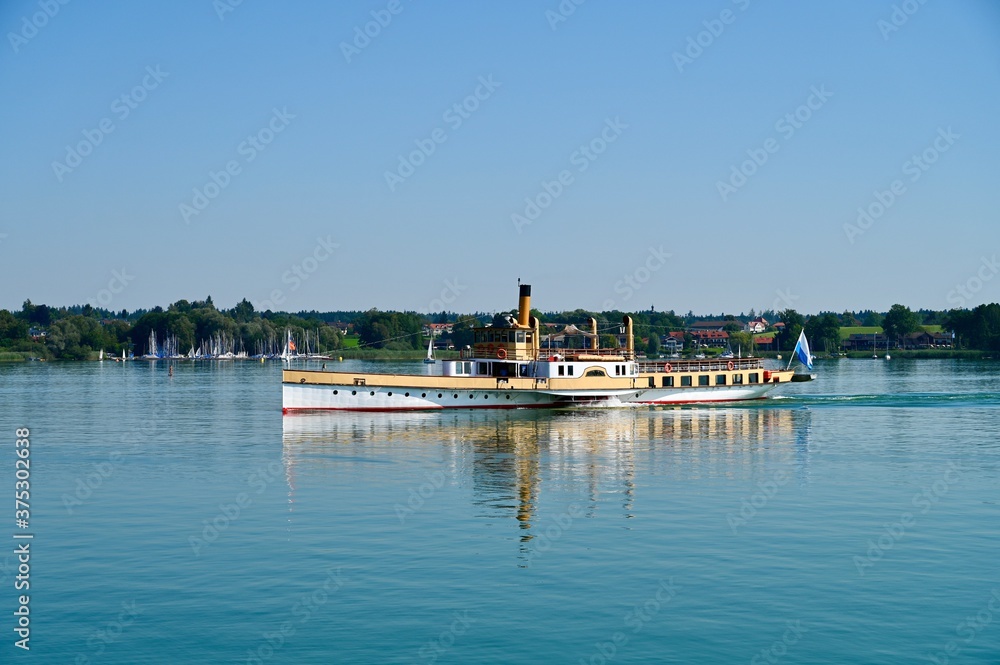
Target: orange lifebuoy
{"x": 730, "y": 366}
{"x": 501, "y": 353}
{"x": 668, "y": 368}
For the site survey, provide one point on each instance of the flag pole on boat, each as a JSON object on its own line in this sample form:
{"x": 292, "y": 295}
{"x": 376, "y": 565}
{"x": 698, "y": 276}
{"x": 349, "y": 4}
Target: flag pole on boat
{"x": 801, "y": 351}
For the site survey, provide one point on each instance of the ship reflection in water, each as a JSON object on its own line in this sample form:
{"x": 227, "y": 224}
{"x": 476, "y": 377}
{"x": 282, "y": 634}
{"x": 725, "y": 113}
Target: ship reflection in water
{"x": 509, "y": 458}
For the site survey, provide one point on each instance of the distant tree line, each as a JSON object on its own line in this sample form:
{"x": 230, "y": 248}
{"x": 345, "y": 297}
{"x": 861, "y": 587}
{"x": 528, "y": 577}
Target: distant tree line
{"x": 78, "y": 331}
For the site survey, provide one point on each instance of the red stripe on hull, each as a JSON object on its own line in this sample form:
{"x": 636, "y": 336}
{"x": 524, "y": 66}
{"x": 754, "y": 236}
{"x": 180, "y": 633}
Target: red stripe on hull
{"x": 286, "y": 410}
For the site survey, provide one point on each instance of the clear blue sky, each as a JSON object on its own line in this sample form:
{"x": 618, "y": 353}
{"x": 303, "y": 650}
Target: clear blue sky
{"x": 678, "y": 129}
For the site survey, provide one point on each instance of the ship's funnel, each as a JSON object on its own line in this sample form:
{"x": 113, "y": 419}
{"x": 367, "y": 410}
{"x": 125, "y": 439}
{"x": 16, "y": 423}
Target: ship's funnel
{"x": 524, "y": 306}
{"x": 593, "y": 331}
{"x": 629, "y": 339}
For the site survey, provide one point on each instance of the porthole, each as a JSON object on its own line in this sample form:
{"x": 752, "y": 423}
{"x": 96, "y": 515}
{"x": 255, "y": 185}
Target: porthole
{"x": 354, "y": 392}
{"x": 456, "y": 395}
{"x": 406, "y": 394}
{"x": 508, "y": 396}
{"x": 423, "y": 394}
{"x": 440, "y": 395}
{"x": 372, "y": 393}
{"x": 390, "y": 393}
{"x": 486, "y": 396}
{"x": 335, "y": 392}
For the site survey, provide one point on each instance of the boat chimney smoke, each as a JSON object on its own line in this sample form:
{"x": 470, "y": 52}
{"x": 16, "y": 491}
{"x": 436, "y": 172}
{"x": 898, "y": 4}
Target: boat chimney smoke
{"x": 524, "y": 306}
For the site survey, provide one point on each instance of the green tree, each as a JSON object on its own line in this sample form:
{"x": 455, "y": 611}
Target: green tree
{"x": 824, "y": 331}
{"x": 653, "y": 347}
{"x": 793, "y": 327}
{"x": 12, "y": 329}
{"x": 899, "y": 321}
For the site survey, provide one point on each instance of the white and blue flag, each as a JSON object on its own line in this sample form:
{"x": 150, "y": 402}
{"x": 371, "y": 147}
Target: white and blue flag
{"x": 802, "y": 350}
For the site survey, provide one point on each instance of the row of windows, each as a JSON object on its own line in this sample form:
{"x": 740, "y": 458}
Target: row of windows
{"x": 720, "y": 380}
{"x": 563, "y": 370}
{"x": 503, "y": 336}
{"x": 440, "y": 395}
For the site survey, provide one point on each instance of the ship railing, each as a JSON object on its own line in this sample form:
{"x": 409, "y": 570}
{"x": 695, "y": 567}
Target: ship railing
{"x": 545, "y": 354}
{"x": 700, "y": 365}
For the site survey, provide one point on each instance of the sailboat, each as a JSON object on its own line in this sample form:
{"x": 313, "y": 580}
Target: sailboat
{"x": 430, "y": 352}
{"x": 874, "y": 347}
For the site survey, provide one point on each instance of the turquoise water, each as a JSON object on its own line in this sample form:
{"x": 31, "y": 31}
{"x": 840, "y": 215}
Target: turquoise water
{"x": 854, "y": 519}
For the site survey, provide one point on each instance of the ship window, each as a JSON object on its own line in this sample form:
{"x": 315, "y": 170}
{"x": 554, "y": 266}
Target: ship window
{"x": 703, "y": 379}
{"x": 520, "y": 337}
{"x": 720, "y": 379}
{"x": 668, "y": 382}
{"x": 468, "y": 368}
{"x": 685, "y": 380}
{"x": 596, "y": 372}
{"x": 618, "y": 370}
{"x": 493, "y": 337}
{"x": 529, "y": 338}
{"x": 737, "y": 379}
{"x": 482, "y": 368}
{"x": 569, "y": 370}
{"x": 753, "y": 377}
{"x": 562, "y": 370}
{"x": 524, "y": 370}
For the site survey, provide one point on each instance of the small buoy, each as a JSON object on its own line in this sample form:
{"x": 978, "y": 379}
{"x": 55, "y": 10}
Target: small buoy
{"x": 340, "y": 359}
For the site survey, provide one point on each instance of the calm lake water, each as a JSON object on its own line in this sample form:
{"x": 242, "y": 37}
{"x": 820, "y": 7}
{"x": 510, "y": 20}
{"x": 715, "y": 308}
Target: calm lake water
{"x": 854, "y": 519}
